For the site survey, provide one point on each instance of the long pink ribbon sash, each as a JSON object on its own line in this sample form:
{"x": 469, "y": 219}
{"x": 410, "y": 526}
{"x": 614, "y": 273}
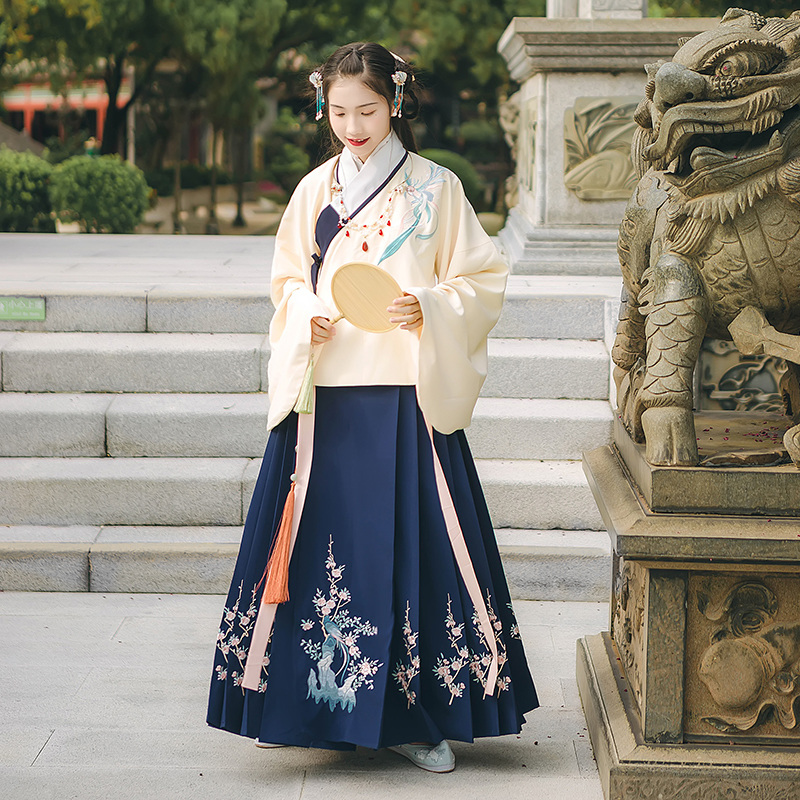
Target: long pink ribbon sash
{"x": 266, "y": 612}
{"x": 465, "y": 566}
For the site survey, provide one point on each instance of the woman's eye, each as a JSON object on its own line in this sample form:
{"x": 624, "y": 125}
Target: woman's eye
{"x": 367, "y": 113}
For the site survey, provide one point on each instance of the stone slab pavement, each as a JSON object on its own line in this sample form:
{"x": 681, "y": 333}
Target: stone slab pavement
{"x": 103, "y": 696}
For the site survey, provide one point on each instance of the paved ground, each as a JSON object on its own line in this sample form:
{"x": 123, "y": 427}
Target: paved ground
{"x": 103, "y": 696}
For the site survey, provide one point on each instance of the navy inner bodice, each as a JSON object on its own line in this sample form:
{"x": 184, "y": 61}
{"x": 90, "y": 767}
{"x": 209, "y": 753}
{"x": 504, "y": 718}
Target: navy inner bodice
{"x": 329, "y": 224}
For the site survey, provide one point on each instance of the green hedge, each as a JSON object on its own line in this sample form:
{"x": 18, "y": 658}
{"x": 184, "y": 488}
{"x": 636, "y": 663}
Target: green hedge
{"x": 467, "y": 174}
{"x": 24, "y": 199}
{"x": 105, "y": 195}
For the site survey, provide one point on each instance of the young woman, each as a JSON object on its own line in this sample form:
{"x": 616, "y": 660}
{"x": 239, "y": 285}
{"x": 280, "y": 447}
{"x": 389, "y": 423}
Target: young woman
{"x": 398, "y": 629}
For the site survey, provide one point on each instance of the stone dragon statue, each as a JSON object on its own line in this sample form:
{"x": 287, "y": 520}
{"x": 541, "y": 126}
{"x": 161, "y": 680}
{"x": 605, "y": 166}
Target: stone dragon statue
{"x": 713, "y": 227}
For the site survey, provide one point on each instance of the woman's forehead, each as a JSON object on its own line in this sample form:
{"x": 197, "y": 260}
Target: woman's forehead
{"x": 351, "y": 93}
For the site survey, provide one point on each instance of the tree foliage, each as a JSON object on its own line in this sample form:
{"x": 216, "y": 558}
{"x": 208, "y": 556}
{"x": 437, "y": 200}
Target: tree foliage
{"x": 716, "y": 8}
{"x": 457, "y": 39}
{"x": 217, "y": 42}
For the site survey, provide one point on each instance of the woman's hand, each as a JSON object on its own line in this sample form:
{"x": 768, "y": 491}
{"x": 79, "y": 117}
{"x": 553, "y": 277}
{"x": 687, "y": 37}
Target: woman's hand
{"x": 406, "y": 310}
{"x": 322, "y": 330}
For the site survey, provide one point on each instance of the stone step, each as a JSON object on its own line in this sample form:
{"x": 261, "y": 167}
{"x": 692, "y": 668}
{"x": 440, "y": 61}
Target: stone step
{"x": 539, "y": 565}
{"x": 134, "y": 362}
{"x": 215, "y": 491}
{"x": 538, "y": 429}
{"x": 234, "y": 425}
{"x": 556, "y": 565}
{"x": 229, "y": 362}
{"x": 547, "y": 368}
{"x": 563, "y": 307}
{"x": 538, "y": 495}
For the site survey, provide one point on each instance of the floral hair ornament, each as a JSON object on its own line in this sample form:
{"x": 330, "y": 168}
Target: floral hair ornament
{"x": 399, "y": 77}
{"x": 315, "y": 78}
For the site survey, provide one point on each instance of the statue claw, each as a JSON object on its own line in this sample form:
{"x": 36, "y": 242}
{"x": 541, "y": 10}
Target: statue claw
{"x": 670, "y": 436}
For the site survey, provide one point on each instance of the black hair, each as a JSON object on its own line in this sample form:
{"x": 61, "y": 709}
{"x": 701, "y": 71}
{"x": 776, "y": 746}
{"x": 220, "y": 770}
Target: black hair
{"x": 374, "y": 65}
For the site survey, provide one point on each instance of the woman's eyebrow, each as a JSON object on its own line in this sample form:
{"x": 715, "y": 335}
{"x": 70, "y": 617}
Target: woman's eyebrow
{"x": 363, "y": 105}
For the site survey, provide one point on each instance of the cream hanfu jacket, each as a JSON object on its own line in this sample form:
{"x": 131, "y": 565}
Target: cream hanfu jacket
{"x": 423, "y": 231}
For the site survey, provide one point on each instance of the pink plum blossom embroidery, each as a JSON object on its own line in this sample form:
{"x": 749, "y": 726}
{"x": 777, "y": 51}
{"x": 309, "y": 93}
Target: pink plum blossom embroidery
{"x": 405, "y": 673}
{"x": 233, "y": 637}
{"x": 480, "y": 663}
{"x": 448, "y": 668}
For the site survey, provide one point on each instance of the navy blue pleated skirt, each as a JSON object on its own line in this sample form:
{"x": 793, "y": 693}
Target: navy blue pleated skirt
{"x": 379, "y": 643}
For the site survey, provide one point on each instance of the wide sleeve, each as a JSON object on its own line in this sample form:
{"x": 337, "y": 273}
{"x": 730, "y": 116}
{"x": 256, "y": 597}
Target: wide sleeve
{"x": 458, "y": 313}
{"x": 294, "y": 300}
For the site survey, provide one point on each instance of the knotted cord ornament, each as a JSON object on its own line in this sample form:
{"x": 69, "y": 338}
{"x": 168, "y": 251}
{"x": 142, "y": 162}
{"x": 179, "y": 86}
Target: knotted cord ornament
{"x": 399, "y": 77}
{"x": 315, "y": 78}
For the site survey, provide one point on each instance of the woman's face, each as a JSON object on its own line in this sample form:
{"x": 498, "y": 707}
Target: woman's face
{"x": 359, "y": 117}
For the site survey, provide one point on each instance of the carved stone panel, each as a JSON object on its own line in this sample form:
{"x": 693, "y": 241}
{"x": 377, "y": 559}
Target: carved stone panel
{"x": 613, "y": 9}
{"x": 743, "y": 657}
{"x": 526, "y": 143}
{"x": 660, "y": 786}
{"x": 628, "y": 623}
{"x": 510, "y": 123}
{"x": 729, "y": 381}
{"x": 597, "y": 144}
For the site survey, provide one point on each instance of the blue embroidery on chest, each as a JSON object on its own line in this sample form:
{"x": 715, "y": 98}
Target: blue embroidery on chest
{"x": 420, "y": 195}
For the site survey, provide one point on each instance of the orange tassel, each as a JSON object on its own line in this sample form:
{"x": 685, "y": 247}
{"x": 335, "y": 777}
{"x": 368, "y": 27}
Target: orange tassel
{"x": 276, "y": 589}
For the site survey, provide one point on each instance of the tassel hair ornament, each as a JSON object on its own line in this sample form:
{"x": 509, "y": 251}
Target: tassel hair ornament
{"x": 399, "y": 77}
{"x": 315, "y": 78}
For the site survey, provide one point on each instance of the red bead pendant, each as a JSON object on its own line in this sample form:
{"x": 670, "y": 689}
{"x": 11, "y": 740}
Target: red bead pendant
{"x": 380, "y": 232}
{"x": 364, "y": 246}
{"x": 347, "y": 233}
{"x": 388, "y": 222}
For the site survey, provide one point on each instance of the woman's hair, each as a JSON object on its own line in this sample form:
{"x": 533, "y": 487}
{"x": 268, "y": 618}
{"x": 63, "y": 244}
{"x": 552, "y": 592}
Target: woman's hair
{"x": 374, "y": 65}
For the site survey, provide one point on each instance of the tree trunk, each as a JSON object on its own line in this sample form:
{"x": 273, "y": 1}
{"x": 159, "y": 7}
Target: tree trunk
{"x": 212, "y": 226}
{"x": 115, "y": 117}
{"x": 238, "y": 160}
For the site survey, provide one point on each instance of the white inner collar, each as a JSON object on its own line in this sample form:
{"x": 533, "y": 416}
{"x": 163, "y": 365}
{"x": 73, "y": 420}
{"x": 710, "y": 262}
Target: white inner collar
{"x": 359, "y": 180}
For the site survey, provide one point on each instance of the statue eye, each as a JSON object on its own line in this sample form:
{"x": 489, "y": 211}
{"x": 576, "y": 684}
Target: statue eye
{"x": 736, "y": 66}
{"x": 740, "y": 63}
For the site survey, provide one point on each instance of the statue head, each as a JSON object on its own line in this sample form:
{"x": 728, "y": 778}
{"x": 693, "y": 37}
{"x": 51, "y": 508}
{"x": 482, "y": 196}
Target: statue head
{"x": 727, "y": 92}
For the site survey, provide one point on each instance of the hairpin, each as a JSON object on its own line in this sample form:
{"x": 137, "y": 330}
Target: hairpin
{"x": 399, "y": 77}
{"x": 316, "y": 81}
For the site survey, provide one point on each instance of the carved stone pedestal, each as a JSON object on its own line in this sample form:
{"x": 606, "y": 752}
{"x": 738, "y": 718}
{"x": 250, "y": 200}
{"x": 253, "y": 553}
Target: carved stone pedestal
{"x": 693, "y": 694}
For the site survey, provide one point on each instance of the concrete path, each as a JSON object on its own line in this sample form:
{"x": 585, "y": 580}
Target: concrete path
{"x": 103, "y": 696}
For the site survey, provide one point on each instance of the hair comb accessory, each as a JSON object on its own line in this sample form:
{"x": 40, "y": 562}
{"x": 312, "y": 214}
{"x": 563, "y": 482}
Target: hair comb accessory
{"x": 399, "y": 79}
{"x": 315, "y": 79}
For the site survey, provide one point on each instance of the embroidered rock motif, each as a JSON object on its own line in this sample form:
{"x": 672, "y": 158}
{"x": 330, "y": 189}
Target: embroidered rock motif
{"x": 405, "y": 673}
{"x": 232, "y": 638}
{"x": 341, "y": 669}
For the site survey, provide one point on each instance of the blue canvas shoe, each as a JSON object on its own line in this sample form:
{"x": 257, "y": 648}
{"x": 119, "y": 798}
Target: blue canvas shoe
{"x": 430, "y": 757}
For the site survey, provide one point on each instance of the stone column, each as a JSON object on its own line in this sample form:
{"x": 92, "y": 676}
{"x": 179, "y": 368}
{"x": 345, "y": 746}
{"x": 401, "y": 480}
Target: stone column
{"x": 581, "y": 80}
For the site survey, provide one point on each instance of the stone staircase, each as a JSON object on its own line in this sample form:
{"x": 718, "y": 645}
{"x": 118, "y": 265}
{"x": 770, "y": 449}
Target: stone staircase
{"x": 132, "y": 420}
